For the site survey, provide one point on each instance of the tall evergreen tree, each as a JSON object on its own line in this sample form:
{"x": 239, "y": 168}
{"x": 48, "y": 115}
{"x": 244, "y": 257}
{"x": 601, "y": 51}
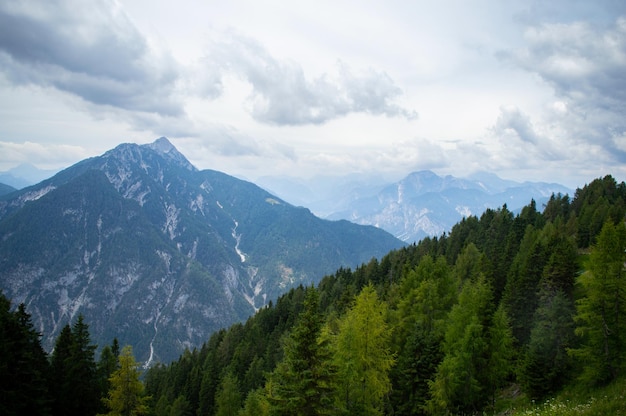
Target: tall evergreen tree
{"x": 302, "y": 383}
{"x": 23, "y": 364}
{"x": 228, "y": 398}
{"x": 601, "y": 313}
{"x": 61, "y": 385}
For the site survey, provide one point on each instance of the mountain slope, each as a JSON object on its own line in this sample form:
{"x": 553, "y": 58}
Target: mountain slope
{"x": 6, "y": 189}
{"x": 160, "y": 254}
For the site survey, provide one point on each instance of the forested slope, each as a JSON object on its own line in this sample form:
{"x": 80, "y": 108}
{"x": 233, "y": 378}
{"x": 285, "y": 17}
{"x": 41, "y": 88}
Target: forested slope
{"x": 534, "y": 301}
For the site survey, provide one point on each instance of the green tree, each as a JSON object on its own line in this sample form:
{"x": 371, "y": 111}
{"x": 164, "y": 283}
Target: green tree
{"x": 228, "y": 397}
{"x": 23, "y": 364}
{"x": 256, "y": 404}
{"x": 126, "y": 396}
{"x": 301, "y": 384}
{"x": 60, "y": 384}
{"x": 107, "y": 364}
{"x": 500, "y": 352}
{"x": 461, "y": 377}
{"x": 545, "y": 364}
{"x": 601, "y": 312}
{"x": 82, "y": 372}
{"x": 363, "y": 356}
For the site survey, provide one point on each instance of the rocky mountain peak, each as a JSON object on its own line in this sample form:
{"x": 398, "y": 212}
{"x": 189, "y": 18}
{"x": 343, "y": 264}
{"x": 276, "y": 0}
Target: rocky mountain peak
{"x": 166, "y": 149}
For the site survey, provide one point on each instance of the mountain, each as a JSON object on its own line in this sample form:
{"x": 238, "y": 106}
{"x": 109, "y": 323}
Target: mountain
{"x": 6, "y": 189}
{"x": 25, "y": 175}
{"x": 160, "y": 254}
{"x": 419, "y": 205}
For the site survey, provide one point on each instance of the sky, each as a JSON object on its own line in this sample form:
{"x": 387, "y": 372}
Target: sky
{"x": 529, "y": 90}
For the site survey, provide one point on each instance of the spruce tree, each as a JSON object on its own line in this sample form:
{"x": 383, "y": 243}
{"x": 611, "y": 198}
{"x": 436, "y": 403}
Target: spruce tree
{"x": 23, "y": 364}
{"x": 301, "y": 384}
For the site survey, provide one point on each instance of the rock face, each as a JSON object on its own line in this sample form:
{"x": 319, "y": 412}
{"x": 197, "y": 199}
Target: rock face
{"x": 159, "y": 254}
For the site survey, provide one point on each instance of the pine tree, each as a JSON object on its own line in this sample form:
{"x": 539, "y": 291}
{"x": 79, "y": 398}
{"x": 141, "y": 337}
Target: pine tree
{"x": 60, "y": 384}
{"x": 23, "y": 364}
{"x": 126, "y": 396}
{"x": 302, "y": 383}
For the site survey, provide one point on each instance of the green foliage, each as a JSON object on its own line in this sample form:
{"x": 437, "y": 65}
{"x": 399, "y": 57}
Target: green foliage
{"x": 23, "y": 366}
{"x": 461, "y": 377}
{"x": 601, "y": 312}
{"x": 228, "y": 398}
{"x": 449, "y": 343}
{"x": 126, "y": 396}
{"x": 256, "y": 404}
{"x": 363, "y": 356}
{"x": 545, "y": 365}
{"x": 301, "y": 384}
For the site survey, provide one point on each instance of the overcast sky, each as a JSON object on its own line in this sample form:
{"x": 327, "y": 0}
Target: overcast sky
{"x": 529, "y": 90}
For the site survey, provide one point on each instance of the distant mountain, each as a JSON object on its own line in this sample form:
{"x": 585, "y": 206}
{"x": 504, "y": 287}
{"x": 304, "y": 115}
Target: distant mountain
{"x": 6, "y": 189}
{"x": 159, "y": 254}
{"x": 25, "y": 175}
{"x": 419, "y": 205}
{"x": 426, "y": 204}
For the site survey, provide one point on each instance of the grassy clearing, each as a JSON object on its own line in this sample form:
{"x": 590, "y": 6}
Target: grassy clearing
{"x": 576, "y": 400}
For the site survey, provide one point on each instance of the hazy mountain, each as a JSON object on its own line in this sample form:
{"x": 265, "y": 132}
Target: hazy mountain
{"x": 419, "y": 205}
{"x": 159, "y": 254}
{"x": 6, "y": 189}
{"x": 425, "y": 204}
{"x": 25, "y": 175}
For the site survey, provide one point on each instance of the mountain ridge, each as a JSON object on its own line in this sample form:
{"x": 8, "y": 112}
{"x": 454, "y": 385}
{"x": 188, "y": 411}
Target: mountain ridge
{"x": 422, "y": 204}
{"x": 160, "y": 254}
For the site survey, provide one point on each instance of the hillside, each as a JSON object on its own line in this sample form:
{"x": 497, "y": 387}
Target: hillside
{"x": 491, "y": 308}
{"x": 506, "y": 314}
{"x": 159, "y": 254}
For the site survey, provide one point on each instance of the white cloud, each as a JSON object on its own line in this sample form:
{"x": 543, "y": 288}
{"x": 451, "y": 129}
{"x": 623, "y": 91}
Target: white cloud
{"x": 282, "y": 94}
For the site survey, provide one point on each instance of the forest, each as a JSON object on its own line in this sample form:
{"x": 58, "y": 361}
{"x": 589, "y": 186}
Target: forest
{"x": 506, "y": 308}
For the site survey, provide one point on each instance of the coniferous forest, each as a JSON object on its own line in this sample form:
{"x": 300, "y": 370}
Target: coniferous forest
{"x": 506, "y": 310}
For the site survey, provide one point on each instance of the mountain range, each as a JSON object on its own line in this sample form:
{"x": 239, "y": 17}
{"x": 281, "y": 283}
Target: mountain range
{"x": 159, "y": 254}
{"x": 421, "y": 204}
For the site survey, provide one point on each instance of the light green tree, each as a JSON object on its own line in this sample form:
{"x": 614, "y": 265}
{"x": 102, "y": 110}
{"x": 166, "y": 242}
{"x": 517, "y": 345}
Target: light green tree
{"x": 363, "y": 356}
{"x": 126, "y": 396}
{"x": 601, "y": 313}
{"x": 460, "y": 382}
{"x": 228, "y": 397}
{"x": 256, "y": 404}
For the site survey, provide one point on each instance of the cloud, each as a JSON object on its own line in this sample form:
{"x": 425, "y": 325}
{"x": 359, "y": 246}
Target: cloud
{"x": 283, "y": 95}
{"x": 92, "y": 50}
{"x": 586, "y": 67}
{"x": 43, "y": 155}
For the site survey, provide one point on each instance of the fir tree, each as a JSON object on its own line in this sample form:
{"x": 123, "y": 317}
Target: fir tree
{"x": 302, "y": 382}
